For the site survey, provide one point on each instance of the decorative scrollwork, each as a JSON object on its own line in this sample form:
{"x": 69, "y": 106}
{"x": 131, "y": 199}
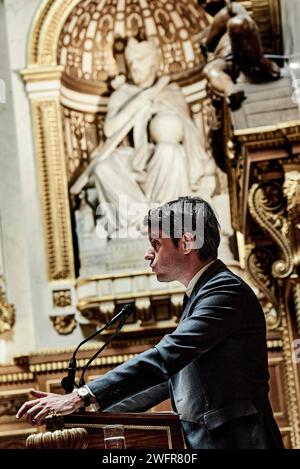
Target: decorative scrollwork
{"x": 259, "y": 263}
{"x": 267, "y": 207}
{"x": 64, "y": 324}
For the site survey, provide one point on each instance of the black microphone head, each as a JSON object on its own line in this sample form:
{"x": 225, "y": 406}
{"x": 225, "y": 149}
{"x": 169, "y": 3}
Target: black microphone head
{"x": 128, "y": 309}
{"x": 68, "y": 382}
{"x": 81, "y": 382}
{"x": 64, "y": 383}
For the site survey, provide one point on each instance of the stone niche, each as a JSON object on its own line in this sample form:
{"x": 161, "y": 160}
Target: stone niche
{"x": 76, "y": 49}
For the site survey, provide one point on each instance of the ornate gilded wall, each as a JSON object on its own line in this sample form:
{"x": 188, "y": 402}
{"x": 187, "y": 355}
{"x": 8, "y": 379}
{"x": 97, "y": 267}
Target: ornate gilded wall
{"x": 73, "y": 51}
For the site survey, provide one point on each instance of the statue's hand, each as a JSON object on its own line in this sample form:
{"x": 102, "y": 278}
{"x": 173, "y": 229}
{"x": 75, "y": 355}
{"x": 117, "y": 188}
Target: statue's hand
{"x": 146, "y": 96}
{"x": 152, "y": 92}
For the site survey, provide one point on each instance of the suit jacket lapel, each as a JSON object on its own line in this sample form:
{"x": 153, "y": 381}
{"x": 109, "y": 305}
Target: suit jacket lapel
{"x": 207, "y": 274}
{"x": 185, "y": 300}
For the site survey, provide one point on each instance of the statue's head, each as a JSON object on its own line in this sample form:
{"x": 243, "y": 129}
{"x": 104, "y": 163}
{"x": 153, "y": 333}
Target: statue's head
{"x": 143, "y": 59}
{"x": 212, "y": 6}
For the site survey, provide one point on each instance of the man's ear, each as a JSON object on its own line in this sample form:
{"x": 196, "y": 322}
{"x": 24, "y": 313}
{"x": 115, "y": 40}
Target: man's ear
{"x": 188, "y": 242}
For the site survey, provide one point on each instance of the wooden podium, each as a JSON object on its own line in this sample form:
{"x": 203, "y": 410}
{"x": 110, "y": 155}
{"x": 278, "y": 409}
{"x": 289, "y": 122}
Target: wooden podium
{"x": 142, "y": 431}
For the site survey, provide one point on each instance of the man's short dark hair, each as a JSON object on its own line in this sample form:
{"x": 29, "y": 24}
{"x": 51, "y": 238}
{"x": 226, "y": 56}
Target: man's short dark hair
{"x": 188, "y": 214}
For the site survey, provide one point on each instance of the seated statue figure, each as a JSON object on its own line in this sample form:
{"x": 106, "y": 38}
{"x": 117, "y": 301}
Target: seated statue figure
{"x": 153, "y": 152}
{"x": 232, "y": 45}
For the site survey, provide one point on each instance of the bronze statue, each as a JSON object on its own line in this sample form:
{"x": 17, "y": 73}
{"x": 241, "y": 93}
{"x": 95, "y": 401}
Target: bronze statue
{"x": 232, "y": 44}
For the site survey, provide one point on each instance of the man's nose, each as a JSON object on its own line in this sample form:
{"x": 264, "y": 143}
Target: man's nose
{"x": 149, "y": 254}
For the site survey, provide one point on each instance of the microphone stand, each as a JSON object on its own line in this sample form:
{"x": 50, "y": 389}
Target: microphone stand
{"x": 68, "y": 381}
{"x": 119, "y": 327}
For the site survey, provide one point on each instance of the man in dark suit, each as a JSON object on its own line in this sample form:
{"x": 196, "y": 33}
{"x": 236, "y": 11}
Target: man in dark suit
{"x": 213, "y": 366}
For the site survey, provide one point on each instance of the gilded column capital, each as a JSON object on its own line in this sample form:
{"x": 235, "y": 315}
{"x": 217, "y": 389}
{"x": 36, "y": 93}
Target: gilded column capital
{"x": 41, "y": 73}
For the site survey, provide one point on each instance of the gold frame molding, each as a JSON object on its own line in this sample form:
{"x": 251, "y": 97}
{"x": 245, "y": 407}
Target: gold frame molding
{"x": 42, "y": 77}
{"x": 45, "y": 31}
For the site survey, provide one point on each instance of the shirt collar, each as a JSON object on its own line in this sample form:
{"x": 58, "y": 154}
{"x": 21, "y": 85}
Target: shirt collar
{"x": 196, "y": 277}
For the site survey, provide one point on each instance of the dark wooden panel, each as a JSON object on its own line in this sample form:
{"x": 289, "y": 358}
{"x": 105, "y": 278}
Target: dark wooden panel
{"x": 137, "y": 438}
{"x": 277, "y": 391}
{"x": 278, "y": 396}
{"x": 146, "y": 430}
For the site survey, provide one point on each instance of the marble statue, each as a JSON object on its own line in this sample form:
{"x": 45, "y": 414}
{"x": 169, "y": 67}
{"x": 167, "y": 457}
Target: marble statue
{"x": 152, "y": 154}
{"x": 162, "y": 157}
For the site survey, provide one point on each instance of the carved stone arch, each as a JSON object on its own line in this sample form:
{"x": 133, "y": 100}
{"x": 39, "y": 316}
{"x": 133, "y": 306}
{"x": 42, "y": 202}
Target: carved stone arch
{"x": 47, "y": 25}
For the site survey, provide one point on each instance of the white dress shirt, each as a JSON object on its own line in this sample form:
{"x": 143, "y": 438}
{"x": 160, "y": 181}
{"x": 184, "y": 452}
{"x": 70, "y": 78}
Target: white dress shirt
{"x": 196, "y": 277}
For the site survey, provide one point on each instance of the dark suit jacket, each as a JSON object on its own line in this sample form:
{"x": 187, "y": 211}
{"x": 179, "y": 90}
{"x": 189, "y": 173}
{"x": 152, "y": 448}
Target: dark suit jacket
{"x": 213, "y": 366}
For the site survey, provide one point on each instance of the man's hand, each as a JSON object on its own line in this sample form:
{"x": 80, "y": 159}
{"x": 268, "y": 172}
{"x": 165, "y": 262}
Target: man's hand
{"x": 45, "y": 403}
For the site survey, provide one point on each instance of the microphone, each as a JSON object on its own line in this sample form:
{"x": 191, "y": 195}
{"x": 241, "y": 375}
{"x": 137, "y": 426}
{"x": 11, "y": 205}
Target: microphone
{"x": 68, "y": 381}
